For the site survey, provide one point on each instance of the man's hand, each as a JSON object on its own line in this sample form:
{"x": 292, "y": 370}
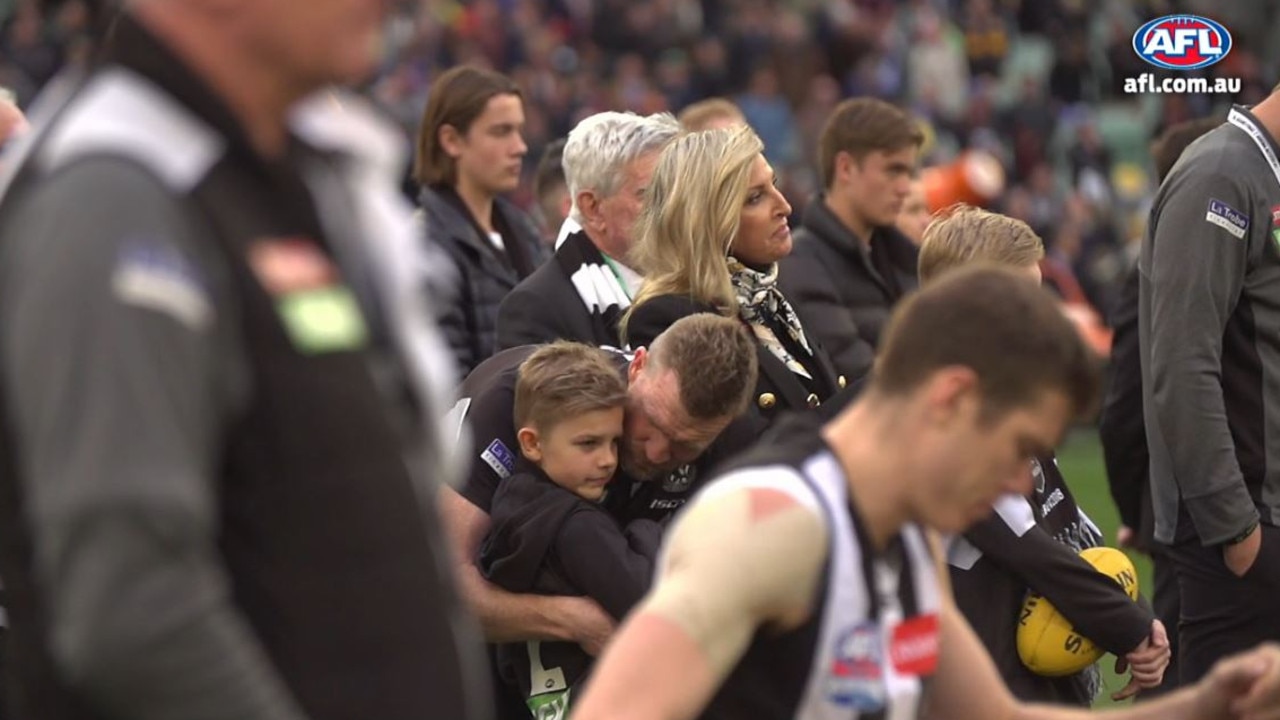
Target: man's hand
{"x": 1125, "y": 536}
{"x": 1240, "y": 556}
{"x": 1146, "y": 663}
{"x": 1242, "y": 687}
{"x": 587, "y": 623}
{"x": 1262, "y": 702}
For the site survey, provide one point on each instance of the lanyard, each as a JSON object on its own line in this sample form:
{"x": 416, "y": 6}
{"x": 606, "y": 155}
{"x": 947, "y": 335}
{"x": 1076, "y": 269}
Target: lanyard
{"x": 622, "y": 283}
{"x": 1246, "y": 124}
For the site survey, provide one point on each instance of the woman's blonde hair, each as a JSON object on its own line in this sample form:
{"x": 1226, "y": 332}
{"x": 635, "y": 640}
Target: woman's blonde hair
{"x": 690, "y": 217}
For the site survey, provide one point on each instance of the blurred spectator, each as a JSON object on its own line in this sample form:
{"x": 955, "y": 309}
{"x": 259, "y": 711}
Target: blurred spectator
{"x": 1090, "y": 162}
{"x": 986, "y": 39}
{"x": 1069, "y": 79}
{"x": 1031, "y": 122}
{"x": 937, "y": 71}
{"x": 27, "y": 48}
{"x": 710, "y": 114}
{"x": 710, "y": 75}
{"x": 1046, "y": 202}
{"x": 915, "y": 216}
{"x": 551, "y": 191}
{"x": 821, "y": 99}
{"x": 1123, "y": 61}
{"x": 769, "y": 114}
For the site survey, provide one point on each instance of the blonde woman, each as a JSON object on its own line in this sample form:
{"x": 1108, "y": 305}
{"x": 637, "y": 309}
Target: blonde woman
{"x": 708, "y": 239}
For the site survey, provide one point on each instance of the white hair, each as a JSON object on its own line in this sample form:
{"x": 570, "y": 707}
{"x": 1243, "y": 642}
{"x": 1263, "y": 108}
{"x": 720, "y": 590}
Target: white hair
{"x": 602, "y": 144}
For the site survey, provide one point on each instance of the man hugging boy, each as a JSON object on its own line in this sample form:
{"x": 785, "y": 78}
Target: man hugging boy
{"x": 549, "y": 533}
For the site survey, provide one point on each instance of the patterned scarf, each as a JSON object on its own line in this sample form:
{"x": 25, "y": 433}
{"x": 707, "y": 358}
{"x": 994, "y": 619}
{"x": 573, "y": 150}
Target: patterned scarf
{"x": 762, "y": 306}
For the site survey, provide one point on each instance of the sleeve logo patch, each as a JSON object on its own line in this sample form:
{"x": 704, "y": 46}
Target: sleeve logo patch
{"x": 1227, "y": 218}
{"x": 499, "y": 457}
{"x": 153, "y": 275}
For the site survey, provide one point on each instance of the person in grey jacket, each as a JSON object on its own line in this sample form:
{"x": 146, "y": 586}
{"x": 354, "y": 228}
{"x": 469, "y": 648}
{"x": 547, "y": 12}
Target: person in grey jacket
{"x": 470, "y": 151}
{"x": 1209, "y": 341}
{"x": 200, "y": 482}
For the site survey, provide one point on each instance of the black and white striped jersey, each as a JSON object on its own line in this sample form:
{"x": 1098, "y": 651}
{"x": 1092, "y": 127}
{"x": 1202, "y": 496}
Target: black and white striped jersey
{"x": 872, "y": 641}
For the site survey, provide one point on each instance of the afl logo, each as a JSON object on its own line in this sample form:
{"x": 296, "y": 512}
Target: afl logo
{"x": 1182, "y": 42}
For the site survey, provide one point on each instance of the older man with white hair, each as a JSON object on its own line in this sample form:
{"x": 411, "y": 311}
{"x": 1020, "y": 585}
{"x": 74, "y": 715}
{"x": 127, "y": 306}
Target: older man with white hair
{"x": 581, "y": 295}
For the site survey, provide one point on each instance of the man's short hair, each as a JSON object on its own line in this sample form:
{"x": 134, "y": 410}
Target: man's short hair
{"x": 863, "y": 125}
{"x": 714, "y": 360}
{"x": 601, "y": 145}
{"x": 997, "y": 322}
{"x": 564, "y": 380}
{"x": 1167, "y": 148}
{"x": 700, "y": 115}
{"x": 963, "y": 234}
{"x": 456, "y": 98}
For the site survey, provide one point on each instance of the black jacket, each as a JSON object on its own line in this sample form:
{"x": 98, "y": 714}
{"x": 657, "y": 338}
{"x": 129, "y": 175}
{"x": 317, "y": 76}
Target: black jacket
{"x": 546, "y": 306}
{"x": 234, "y": 529}
{"x": 1122, "y": 424}
{"x": 778, "y": 390}
{"x": 1034, "y": 545}
{"x": 843, "y": 292}
{"x": 485, "y": 275}
{"x": 546, "y": 540}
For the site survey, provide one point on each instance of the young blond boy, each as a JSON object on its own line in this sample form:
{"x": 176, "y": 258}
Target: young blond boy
{"x": 549, "y": 534}
{"x": 1034, "y": 543}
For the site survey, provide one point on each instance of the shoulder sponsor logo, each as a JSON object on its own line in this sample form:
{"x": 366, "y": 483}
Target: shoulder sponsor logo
{"x": 1227, "y": 218}
{"x": 1182, "y": 42}
{"x": 319, "y": 313}
{"x": 286, "y": 265}
{"x": 154, "y": 275}
{"x": 499, "y": 457}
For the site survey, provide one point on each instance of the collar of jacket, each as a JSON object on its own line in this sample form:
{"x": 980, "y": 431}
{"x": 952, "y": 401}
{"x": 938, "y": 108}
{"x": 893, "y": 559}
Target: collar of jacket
{"x": 829, "y": 229}
{"x": 447, "y": 211}
{"x": 132, "y": 46}
{"x": 819, "y": 220}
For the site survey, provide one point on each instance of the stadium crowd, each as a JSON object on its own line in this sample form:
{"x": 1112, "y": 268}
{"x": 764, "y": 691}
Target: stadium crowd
{"x": 724, "y": 370}
{"x": 1037, "y": 83}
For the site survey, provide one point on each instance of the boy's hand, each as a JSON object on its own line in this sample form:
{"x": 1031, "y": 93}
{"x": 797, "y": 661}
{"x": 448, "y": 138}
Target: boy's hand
{"x": 1146, "y": 663}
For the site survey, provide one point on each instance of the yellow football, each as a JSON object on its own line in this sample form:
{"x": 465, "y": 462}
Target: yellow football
{"x": 1047, "y": 644}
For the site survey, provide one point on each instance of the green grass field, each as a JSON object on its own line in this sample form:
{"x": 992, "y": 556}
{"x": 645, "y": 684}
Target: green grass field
{"x": 1080, "y": 459}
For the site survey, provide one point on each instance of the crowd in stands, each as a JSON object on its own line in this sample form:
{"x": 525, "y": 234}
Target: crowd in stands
{"x": 1039, "y": 84}
{"x": 656, "y": 237}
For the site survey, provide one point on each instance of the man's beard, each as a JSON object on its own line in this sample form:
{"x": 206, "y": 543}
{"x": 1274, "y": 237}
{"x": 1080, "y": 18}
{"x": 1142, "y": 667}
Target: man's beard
{"x": 638, "y": 469}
